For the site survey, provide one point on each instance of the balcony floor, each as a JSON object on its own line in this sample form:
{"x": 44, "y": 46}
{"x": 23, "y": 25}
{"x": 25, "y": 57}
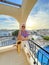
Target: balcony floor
{"x": 13, "y": 58}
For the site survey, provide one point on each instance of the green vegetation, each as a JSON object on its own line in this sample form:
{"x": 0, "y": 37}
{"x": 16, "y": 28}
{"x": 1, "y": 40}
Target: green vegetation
{"x": 46, "y": 38}
{"x": 32, "y": 38}
{"x": 15, "y": 33}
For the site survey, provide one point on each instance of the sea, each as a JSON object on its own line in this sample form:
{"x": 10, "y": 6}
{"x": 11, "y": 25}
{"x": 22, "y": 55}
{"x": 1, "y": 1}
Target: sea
{"x": 6, "y": 32}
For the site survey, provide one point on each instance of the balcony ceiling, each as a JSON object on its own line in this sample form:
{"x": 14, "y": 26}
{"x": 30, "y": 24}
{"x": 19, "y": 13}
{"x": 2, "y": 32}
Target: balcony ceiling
{"x": 21, "y": 13}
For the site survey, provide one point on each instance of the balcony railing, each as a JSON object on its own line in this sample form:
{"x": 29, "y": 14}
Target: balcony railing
{"x": 7, "y": 40}
{"x": 39, "y": 54}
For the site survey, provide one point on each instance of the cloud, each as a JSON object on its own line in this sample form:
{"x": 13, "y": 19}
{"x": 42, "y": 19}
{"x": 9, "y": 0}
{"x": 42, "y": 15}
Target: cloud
{"x": 42, "y": 16}
{"x": 14, "y": 25}
{"x": 41, "y": 5}
{"x": 8, "y": 22}
{"x": 6, "y": 18}
{"x": 0, "y": 25}
{"x": 39, "y": 21}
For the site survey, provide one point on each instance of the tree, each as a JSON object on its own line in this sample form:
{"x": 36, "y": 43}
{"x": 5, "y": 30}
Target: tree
{"x": 15, "y": 33}
{"x": 46, "y": 38}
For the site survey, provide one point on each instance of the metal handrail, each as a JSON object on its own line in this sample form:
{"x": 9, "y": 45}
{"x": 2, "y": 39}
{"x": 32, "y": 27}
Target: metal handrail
{"x": 36, "y": 61}
{"x": 39, "y": 46}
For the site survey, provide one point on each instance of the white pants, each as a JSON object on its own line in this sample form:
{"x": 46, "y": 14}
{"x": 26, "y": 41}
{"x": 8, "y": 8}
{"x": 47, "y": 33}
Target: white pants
{"x": 25, "y": 44}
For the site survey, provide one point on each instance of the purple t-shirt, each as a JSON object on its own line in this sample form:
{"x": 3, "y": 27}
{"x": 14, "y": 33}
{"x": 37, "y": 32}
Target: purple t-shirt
{"x": 25, "y": 33}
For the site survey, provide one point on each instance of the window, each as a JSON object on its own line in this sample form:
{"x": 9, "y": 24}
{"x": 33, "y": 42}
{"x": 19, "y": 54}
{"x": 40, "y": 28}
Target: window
{"x": 15, "y": 1}
{"x": 12, "y": 2}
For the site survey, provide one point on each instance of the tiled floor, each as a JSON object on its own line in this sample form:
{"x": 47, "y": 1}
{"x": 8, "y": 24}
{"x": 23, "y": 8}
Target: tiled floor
{"x": 13, "y": 58}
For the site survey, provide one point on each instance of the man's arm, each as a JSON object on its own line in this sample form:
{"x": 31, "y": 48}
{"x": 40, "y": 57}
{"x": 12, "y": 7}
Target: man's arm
{"x": 20, "y": 37}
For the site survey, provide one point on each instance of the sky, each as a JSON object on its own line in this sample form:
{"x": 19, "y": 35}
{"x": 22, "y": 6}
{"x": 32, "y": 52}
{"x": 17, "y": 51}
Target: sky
{"x": 8, "y": 22}
{"x": 39, "y": 16}
{"x": 37, "y": 19}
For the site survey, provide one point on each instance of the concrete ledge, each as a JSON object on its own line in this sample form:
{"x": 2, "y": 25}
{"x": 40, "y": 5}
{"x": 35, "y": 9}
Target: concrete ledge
{"x": 7, "y": 48}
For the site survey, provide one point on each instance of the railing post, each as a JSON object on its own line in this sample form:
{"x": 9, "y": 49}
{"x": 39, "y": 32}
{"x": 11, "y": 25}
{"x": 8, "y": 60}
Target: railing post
{"x": 35, "y": 58}
{"x": 48, "y": 62}
{"x": 34, "y": 54}
{"x": 42, "y": 60}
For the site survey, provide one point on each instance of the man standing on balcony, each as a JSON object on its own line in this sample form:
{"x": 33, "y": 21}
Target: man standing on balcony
{"x": 23, "y": 34}
{"x": 23, "y": 37}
